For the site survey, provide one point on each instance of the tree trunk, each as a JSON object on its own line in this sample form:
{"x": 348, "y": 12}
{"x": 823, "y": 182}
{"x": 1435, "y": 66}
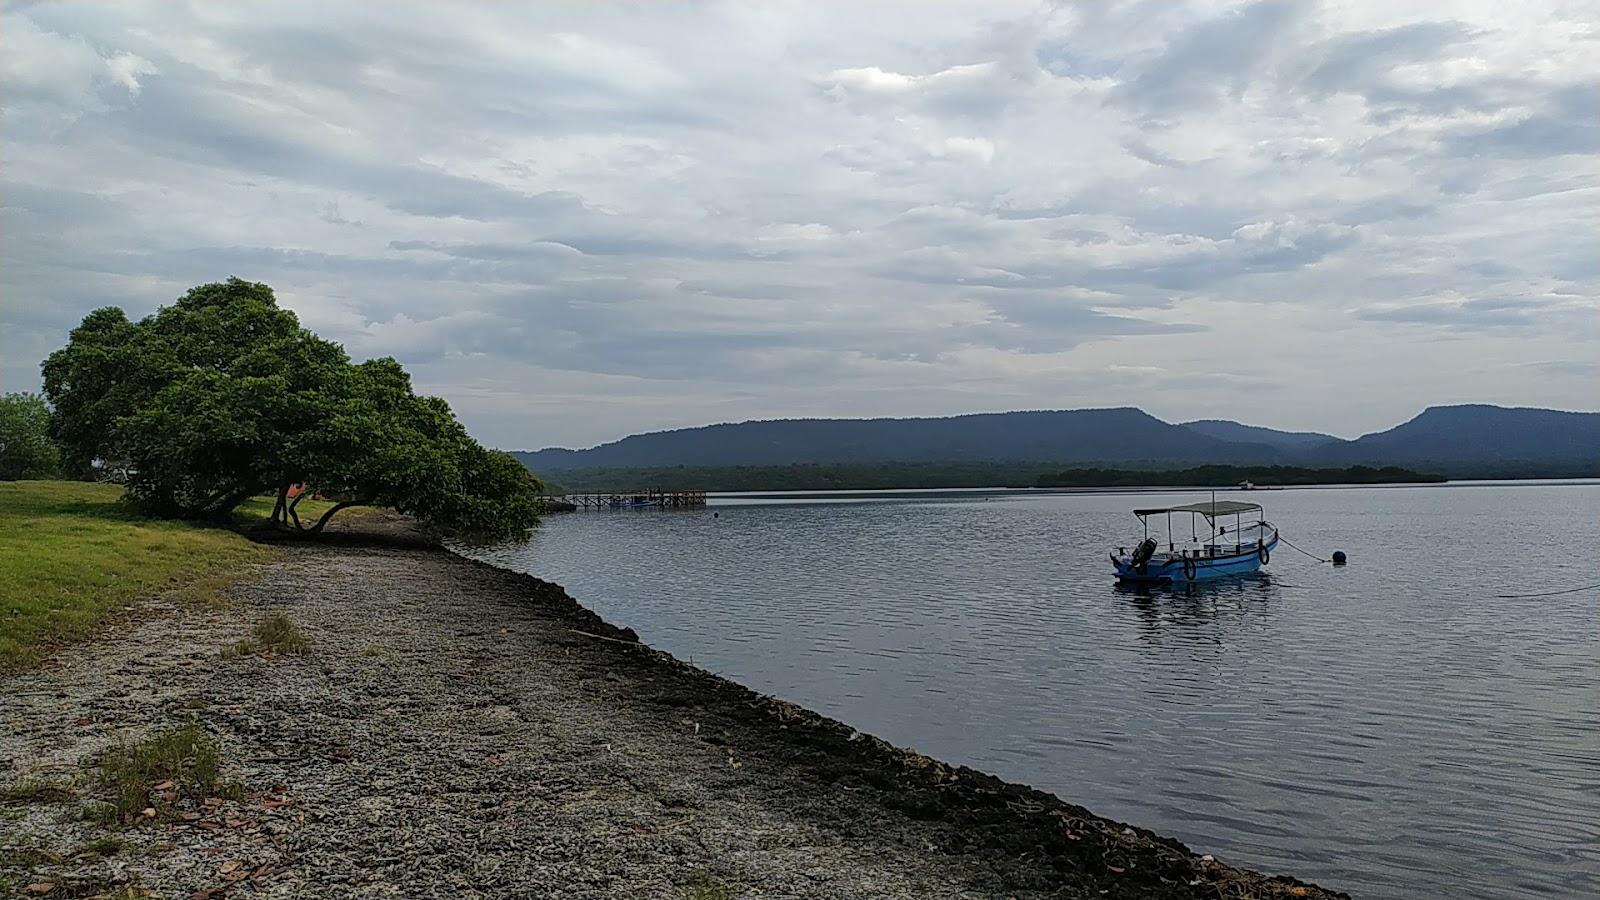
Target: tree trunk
{"x": 279, "y": 507}
{"x": 294, "y": 503}
{"x": 226, "y": 505}
{"x": 323, "y": 522}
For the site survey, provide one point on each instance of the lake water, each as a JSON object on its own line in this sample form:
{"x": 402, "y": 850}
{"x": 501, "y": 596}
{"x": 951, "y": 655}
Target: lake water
{"x": 1391, "y": 728}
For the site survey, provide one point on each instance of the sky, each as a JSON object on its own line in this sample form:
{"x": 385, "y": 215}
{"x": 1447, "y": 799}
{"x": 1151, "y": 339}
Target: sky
{"x": 576, "y": 221}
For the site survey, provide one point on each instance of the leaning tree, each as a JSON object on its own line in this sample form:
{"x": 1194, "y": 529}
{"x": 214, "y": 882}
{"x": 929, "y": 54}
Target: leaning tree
{"x": 222, "y": 396}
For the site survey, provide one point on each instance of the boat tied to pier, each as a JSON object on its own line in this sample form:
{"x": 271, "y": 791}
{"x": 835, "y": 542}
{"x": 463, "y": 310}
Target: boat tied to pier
{"x": 1212, "y": 552}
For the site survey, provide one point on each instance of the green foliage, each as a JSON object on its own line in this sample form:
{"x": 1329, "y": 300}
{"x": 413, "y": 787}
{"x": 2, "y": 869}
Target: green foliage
{"x": 26, "y": 449}
{"x": 1230, "y": 476}
{"x": 222, "y": 396}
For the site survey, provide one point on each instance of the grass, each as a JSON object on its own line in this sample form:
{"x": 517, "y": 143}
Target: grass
{"x": 37, "y": 791}
{"x": 186, "y": 760}
{"x": 707, "y": 888}
{"x": 258, "y": 510}
{"x": 275, "y": 635}
{"x": 102, "y": 847}
{"x": 73, "y": 555}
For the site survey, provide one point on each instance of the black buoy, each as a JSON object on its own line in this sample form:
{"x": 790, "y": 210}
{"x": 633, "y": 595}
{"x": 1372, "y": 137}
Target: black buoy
{"x": 1338, "y": 557}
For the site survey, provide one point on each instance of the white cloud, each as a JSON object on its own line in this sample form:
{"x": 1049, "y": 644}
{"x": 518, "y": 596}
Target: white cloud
{"x": 578, "y": 223}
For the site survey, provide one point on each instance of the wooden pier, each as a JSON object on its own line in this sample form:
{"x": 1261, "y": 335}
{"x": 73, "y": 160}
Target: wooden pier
{"x": 650, "y": 498}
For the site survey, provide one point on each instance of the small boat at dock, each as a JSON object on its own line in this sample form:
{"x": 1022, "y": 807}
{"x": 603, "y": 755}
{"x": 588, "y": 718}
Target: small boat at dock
{"x": 1236, "y": 539}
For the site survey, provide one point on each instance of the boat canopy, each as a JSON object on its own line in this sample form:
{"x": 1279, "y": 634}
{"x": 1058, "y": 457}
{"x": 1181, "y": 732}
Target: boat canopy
{"x": 1210, "y": 509}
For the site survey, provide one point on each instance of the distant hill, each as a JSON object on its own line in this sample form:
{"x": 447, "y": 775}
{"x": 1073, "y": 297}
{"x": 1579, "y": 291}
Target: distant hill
{"x": 1460, "y": 441}
{"x": 1082, "y": 435}
{"x": 1478, "y": 439}
{"x": 1224, "y": 430}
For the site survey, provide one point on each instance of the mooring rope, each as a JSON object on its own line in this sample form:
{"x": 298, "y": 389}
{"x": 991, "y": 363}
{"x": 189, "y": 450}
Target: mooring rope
{"x": 1587, "y": 587}
{"x": 1291, "y": 544}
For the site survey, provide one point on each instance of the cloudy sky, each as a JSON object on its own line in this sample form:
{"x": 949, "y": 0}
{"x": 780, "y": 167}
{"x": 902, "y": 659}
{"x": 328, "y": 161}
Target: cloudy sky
{"x": 576, "y": 221}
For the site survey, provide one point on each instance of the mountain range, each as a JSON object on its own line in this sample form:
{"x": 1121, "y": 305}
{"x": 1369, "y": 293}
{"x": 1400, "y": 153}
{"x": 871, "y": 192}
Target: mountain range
{"x": 1474, "y": 440}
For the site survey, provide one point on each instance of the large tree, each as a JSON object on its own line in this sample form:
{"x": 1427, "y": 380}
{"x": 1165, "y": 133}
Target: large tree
{"x": 26, "y": 450}
{"x": 223, "y": 396}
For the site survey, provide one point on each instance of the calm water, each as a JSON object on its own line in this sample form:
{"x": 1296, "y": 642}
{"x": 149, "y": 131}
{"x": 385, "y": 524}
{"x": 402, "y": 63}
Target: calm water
{"x": 1390, "y": 728}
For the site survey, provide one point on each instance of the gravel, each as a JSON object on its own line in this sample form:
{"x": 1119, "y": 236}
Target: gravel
{"x": 458, "y": 730}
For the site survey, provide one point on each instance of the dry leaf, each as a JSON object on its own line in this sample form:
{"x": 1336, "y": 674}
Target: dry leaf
{"x": 163, "y": 786}
{"x": 40, "y": 887}
{"x": 1118, "y": 870}
{"x": 228, "y": 866}
{"x": 149, "y": 812}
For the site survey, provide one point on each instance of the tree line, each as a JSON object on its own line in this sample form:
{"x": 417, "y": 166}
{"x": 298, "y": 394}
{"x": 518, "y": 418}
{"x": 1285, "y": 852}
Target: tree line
{"x": 891, "y": 476}
{"x": 1229, "y": 476}
{"x": 222, "y": 396}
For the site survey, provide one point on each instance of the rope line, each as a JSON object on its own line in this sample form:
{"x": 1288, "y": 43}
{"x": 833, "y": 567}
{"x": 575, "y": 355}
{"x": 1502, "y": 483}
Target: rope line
{"x": 1587, "y": 587}
{"x": 1291, "y": 544}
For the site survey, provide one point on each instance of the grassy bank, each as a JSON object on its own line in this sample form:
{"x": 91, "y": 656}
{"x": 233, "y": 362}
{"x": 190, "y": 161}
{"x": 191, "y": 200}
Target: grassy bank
{"x": 73, "y": 555}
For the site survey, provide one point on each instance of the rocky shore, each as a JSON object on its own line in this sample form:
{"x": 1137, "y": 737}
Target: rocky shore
{"x": 459, "y": 730}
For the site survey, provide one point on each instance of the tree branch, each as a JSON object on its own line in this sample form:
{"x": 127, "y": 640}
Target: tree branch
{"x": 322, "y": 522}
{"x": 294, "y": 515}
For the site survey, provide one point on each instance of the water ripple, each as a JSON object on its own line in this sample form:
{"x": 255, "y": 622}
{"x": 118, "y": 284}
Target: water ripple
{"x": 1388, "y": 728}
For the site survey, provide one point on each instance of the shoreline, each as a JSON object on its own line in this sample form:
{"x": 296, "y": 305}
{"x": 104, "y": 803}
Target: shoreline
{"x": 431, "y": 668}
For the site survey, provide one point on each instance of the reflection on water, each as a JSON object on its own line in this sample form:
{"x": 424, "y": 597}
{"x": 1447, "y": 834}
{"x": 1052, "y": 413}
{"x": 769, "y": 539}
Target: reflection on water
{"x": 1389, "y": 728}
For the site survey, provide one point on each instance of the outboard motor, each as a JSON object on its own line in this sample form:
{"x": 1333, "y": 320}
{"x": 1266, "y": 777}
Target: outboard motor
{"x": 1142, "y": 554}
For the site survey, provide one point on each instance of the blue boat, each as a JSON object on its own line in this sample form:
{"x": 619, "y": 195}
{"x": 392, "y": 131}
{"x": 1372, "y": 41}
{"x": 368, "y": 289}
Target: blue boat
{"x": 1234, "y": 540}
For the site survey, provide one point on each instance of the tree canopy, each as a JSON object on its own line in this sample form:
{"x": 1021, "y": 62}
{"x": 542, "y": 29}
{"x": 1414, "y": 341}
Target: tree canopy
{"x": 222, "y": 396}
{"x": 26, "y": 450}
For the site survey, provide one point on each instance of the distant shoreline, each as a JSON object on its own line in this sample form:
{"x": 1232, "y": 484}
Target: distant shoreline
{"x": 950, "y": 475}
{"x": 1002, "y": 491}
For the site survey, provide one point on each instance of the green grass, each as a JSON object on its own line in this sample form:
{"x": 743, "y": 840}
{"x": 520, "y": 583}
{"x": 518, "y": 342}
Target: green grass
{"x": 37, "y": 791}
{"x": 705, "y": 887}
{"x": 72, "y": 555}
{"x": 275, "y": 635}
{"x": 258, "y": 510}
{"x": 101, "y": 847}
{"x": 186, "y": 756}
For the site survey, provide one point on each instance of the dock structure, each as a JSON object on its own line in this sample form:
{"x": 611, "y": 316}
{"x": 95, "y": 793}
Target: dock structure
{"x": 649, "y": 498}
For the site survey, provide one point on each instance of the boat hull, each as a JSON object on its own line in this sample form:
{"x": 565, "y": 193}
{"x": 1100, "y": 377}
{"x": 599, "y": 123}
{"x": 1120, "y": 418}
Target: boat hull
{"x": 1203, "y": 568}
